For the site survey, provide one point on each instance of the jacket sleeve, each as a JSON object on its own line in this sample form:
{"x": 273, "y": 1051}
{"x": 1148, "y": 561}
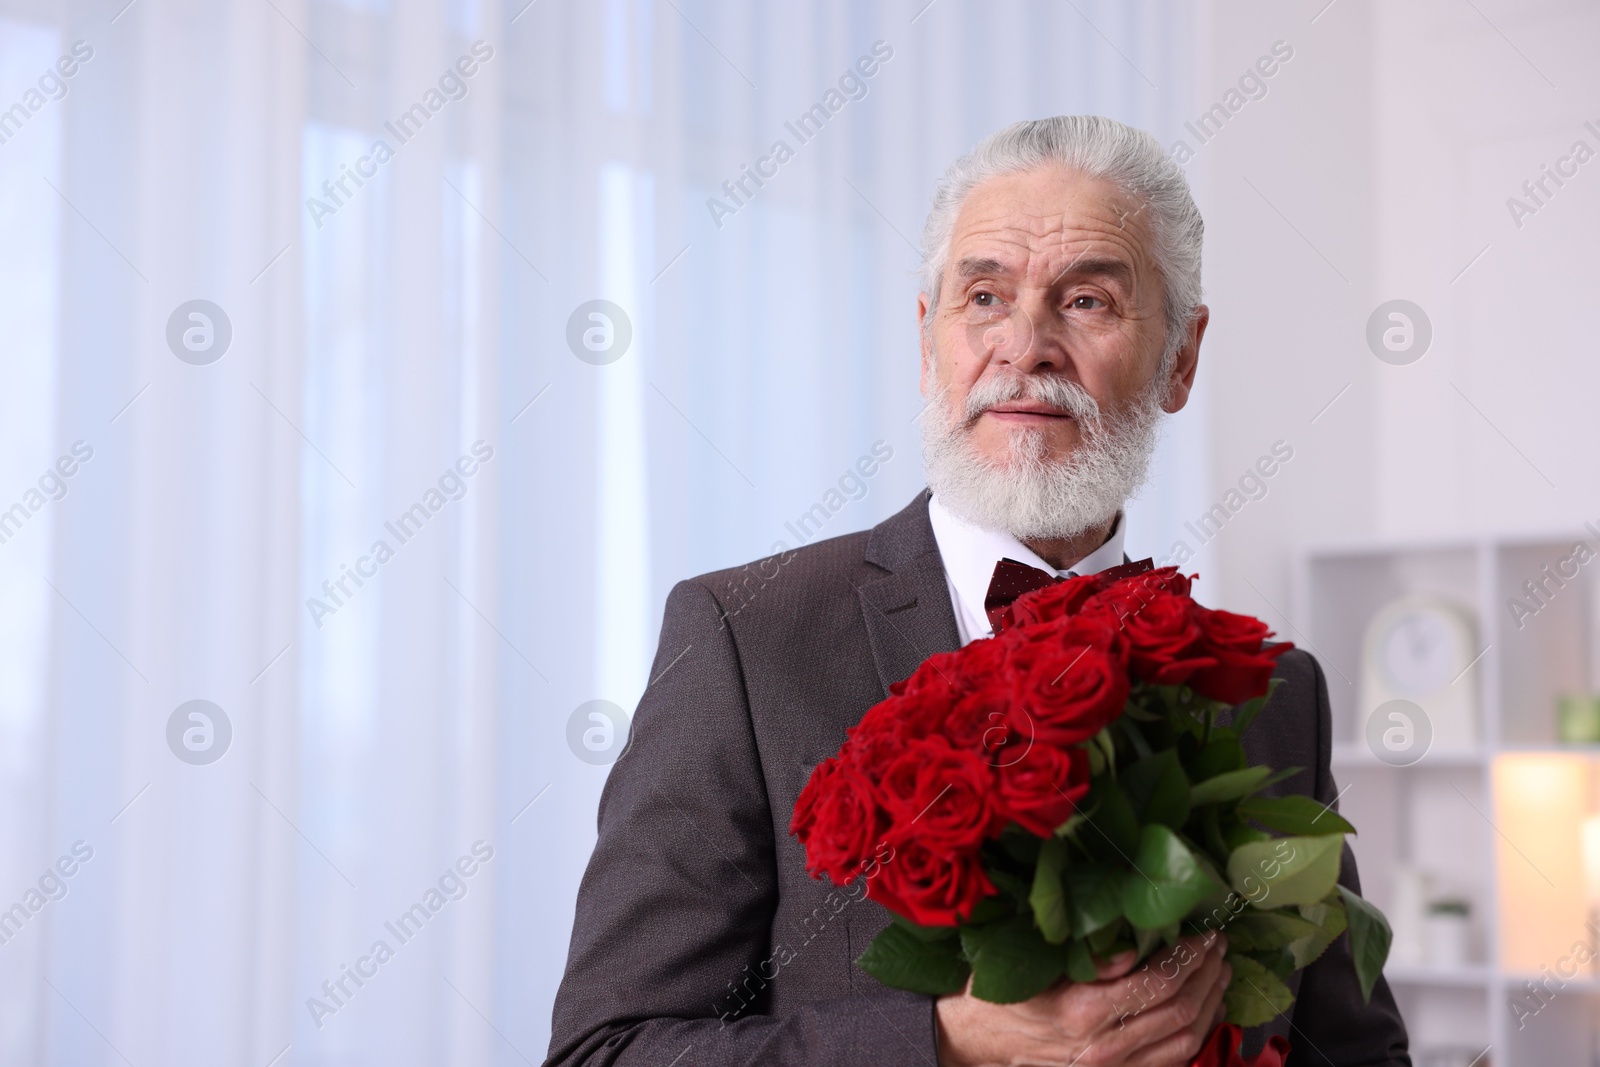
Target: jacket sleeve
{"x": 679, "y": 895}
{"x": 1329, "y": 1023}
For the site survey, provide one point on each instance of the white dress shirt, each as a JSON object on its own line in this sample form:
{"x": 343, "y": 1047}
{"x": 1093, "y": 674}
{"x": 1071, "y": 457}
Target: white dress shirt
{"x": 970, "y": 553}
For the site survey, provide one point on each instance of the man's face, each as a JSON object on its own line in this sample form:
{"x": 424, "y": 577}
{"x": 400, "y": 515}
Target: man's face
{"x": 1048, "y": 275}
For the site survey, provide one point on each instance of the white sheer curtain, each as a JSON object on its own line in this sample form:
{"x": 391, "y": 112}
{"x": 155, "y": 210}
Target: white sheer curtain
{"x": 394, "y": 729}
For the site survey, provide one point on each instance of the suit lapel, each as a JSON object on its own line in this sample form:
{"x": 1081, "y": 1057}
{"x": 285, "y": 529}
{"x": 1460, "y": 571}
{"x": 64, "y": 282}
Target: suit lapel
{"x": 907, "y": 612}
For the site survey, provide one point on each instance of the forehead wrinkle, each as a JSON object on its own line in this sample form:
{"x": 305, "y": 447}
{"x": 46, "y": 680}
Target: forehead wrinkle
{"x": 1045, "y": 246}
{"x": 1046, "y": 262}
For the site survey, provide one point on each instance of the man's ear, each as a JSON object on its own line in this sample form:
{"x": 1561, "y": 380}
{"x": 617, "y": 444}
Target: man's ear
{"x": 925, "y": 382}
{"x": 1181, "y": 380}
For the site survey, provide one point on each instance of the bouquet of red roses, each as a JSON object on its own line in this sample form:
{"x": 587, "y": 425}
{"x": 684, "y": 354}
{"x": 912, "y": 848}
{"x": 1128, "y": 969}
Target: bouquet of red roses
{"x": 1075, "y": 787}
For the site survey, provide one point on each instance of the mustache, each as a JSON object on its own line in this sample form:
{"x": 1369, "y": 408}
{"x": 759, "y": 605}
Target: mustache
{"x": 1062, "y": 394}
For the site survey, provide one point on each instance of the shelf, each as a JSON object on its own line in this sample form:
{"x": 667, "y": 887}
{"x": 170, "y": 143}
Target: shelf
{"x": 1497, "y": 820}
{"x": 1353, "y": 754}
{"x": 1471, "y": 976}
{"x": 1583, "y": 983}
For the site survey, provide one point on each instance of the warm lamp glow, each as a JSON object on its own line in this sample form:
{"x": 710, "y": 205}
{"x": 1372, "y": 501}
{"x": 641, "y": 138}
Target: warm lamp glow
{"x": 1591, "y": 860}
{"x": 1542, "y": 806}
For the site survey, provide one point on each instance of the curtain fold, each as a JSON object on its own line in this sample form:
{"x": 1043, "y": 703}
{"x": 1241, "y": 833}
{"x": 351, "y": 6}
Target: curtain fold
{"x": 401, "y": 532}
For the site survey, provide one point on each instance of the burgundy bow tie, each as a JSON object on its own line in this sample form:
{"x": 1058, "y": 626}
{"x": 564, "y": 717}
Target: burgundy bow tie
{"x": 1012, "y": 579}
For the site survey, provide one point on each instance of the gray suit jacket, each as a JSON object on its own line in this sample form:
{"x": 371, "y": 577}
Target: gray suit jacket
{"x": 699, "y": 938}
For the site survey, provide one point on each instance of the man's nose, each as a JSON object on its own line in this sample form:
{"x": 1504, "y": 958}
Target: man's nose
{"x": 1031, "y": 340}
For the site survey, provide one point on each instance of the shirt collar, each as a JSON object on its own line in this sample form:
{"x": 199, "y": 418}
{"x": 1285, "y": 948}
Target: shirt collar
{"x": 970, "y": 552}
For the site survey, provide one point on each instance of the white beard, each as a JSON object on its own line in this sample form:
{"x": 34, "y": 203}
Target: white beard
{"x": 1032, "y": 495}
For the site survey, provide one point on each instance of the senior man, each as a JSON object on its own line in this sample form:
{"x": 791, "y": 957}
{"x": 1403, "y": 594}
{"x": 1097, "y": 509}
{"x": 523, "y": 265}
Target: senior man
{"x": 1060, "y": 317}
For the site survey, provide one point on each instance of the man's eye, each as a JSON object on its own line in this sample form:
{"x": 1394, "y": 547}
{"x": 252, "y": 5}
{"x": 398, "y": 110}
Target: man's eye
{"x": 1085, "y": 303}
{"x": 985, "y": 300}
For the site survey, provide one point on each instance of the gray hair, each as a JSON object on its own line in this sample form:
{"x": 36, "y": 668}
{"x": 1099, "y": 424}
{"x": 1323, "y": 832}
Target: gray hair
{"x": 1097, "y": 147}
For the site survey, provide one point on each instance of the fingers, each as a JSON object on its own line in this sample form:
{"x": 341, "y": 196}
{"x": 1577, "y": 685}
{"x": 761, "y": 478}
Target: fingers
{"x": 1116, "y": 966}
{"x": 1181, "y": 1046}
{"x": 1169, "y": 994}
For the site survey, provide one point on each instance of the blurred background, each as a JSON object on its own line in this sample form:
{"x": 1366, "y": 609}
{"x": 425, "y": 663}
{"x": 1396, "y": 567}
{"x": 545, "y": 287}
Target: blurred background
{"x": 373, "y": 369}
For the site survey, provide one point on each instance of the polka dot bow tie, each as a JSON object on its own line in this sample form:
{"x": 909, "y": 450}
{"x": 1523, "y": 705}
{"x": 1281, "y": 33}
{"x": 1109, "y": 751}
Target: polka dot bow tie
{"x": 1013, "y": 579}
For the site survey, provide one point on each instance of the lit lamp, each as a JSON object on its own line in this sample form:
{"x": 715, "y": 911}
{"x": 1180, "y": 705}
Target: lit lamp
{"x": 1591, "y": 870}
{"x": 1541, "y": 801}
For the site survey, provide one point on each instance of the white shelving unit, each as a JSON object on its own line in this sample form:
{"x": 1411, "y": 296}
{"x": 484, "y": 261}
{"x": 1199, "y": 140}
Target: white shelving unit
{"x": 1515, "y": 854}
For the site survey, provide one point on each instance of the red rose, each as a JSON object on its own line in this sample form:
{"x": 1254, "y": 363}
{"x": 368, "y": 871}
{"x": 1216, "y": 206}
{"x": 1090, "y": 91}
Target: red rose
{"x": 1166, "y": 644}
{"x": 900, "y": 719}
{"x": 1238, "y": 676}
{"x": 1237, "y": 633}
{"x": 939, "y": 796}
{"x": 1054, "y": 601}
{"x": 1243, "y": 665}
{"x": 1025, "y": 644}
{"x": 928, "y": 886}
{"x": 984, "y": 663}
{"x": 1221, "y": 1049}
{"x": 1040, "y": 788}
{"x": 1163, "y": 579}
{"x": 839, "y": 821}
{"x": 1071, "y": 693}
{"x": 980, "y": 723}
{"x": 936, "y": 674}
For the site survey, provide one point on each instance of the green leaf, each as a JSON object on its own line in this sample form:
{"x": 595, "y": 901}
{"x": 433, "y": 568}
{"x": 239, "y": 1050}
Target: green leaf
{"x": 1130, "y": 729}
{"x": 1230, "y": 785}
{"x": 1158, "y": 789}
{"x": 1247, "y": 712}
{"x": 1293, "y": 870}
{"x": 1080, "y": 964}
{"x": 1010, "y": 961}
{"x": 990, "y": 910}
{"x": 1048, "y": 898}
{"x": 1255, "y": 931}
{"x": 1103, "y": 940}
{"x": 1211, "y": 833}
{"x": 901, "y": 960}
{"x": 1369, "y": 939}
{"x": 1010, "y": 884}
{"x": 1112, "y": 816}
{"x": 1294, "y": 814}
{"x": 1329, "y": 919}
{"x": 1070, "y": 827}
{"x": 1168, "y": 881}
{"x": 1237, "y": 834}
{"x": 1106, "y": 745}
{"x": 1020, "y": 845}
{"x": 1144, "y": 941}
{"x": 1094, "y": 895}
{"x": 1221, "y": 754}
{"x": 1280, "y": 961}
{"x": 1256, "y": 995}
{"x": 925, "y": 933}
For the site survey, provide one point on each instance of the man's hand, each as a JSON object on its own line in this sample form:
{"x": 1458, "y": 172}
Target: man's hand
{"x": 1154, "y": 1017}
